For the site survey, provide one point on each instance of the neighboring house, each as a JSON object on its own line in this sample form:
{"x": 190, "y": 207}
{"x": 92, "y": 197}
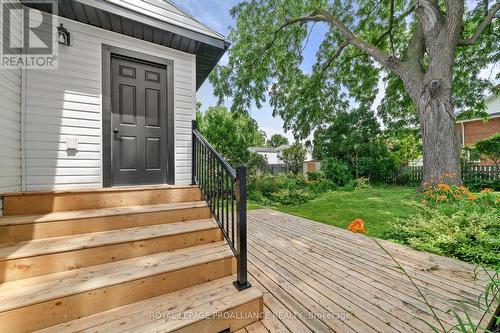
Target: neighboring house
{"x": 474, "y": 130}
{"x": 80, "y": 147}
{"x": 272, "y": 155}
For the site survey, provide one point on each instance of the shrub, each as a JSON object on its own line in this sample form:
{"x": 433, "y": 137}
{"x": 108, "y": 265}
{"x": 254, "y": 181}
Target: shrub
{"x": 362, "y": 184}
{"x": 285, "y": 189}
{"x": 454, "y": 222}
{"x": 408, "y": 178}
{"x": 444, "y": 193}
{"x": 478, "y": 184}
{"x": 320, "y": 186}
{"x": 317, "y": 183}
{"x": 262, "y": 185}
{"x": 490, "y": 148}
{"x": 290, "y": 196}
{"x": 349, "y": 186}
{"x": 314, "y": 175}
{"x": 271, "y": 190}
{"x": 336, "y": 171}
{"x": 359, "y": 184}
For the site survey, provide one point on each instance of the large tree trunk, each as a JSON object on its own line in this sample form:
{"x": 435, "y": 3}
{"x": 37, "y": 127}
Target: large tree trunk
{"x": 436, "y": 34}
{"x": 441, "y": 148}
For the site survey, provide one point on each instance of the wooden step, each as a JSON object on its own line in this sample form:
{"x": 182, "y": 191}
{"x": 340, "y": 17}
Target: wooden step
{"x": 26, "y": 203}
{"x": 43, "y": 301}
{"x": 210, "y": 307}
{"x": 50, "y": 255}
{"x": 21, "y": 228}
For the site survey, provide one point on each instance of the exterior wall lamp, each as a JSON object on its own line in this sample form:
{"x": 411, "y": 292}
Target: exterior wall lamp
{"x": 63, "y": 35}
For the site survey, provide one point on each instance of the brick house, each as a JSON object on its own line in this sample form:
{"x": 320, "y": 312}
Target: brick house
{"x": 474, "y": 130}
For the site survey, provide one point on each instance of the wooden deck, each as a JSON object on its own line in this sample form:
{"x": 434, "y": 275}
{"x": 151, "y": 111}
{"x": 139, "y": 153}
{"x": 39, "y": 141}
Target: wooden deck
{"x": 318, "y": 278}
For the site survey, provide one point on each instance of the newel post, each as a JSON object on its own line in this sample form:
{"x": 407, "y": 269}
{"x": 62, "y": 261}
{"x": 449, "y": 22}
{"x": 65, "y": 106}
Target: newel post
{"x": 241, "y": 230}
{"x": 193, "y": 152}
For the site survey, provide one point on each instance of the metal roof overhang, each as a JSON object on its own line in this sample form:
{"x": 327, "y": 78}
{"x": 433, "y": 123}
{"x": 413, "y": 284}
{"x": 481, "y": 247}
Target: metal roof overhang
{"x": 105, "y": 15}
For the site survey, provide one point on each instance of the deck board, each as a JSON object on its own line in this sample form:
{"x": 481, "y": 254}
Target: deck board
{"x": 318, "y": 278}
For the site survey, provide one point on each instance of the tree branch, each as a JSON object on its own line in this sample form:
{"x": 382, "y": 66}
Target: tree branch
{"x": 414, "y": 56}
{"x": 308, "y": 36}
{"x": 397, "y": 19}
{"x": 430, "y": 17}
{"x": 335, "y": 56}
{"x": 481, "y": 27}
{"x": 271, "y": 43}
{"x": 391, "y": 25}
{"x": 391, "y": 62}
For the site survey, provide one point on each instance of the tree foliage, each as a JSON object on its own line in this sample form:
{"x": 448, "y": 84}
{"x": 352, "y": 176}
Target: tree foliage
{"x": 490, "y": 148}
{"x": 268, "y": 51}
{"x": 277, "y": 140}
{"x": 256, "y": 164}
{"x": 231, "y": 134}
{"x": 428, "y": 54}
{"x": 293, "y": 157}
{"x": 406, "y": 145}
{"x": 337, "y": 171}
{"x": 355, "y": 138}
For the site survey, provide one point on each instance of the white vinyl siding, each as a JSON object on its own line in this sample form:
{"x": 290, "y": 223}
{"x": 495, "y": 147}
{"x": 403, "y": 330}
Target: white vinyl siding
{"x": 10, "y": 127}
{"x": 10, "y": 131}
{"x": 67, "y": 102}
{"x": 493, "y": 104}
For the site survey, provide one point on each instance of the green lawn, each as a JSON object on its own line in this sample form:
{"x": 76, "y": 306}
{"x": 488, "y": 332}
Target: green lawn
{"x": 377, "y": 207}
{"x": 252, "y": 206}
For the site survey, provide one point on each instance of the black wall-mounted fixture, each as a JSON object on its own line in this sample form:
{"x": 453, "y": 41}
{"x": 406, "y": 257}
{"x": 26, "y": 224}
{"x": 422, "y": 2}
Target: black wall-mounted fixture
{"x": 63, "y": 35}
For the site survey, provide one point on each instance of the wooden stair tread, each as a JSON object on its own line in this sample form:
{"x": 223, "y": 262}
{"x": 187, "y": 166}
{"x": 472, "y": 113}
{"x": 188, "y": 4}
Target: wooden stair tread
{"x": 179, "y": 309}
{"x": 97, "y": 190}
{"x": 94, "y": 213}
{"x": 9, "y": 251}
{"x": 44, "y": 288}
{"x": 50, "y": 202}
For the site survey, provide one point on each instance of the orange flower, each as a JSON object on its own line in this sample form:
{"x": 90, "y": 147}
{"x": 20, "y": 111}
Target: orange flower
{"x": 442, "y": 197}
{"x": 464, "y": 189}
{"x": 472, "y": 197}
{"x": 444, "y": 187}
{"x": 486, "y": 190}
{"x": 357, "y": 225}
{"x": 425, "y": 202}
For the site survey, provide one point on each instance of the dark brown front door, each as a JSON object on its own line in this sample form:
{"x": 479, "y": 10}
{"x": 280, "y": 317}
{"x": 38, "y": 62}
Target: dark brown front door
{"x": 138, "y": 123}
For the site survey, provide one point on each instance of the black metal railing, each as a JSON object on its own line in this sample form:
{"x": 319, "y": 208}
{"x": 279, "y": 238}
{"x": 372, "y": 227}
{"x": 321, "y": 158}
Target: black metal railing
{"x": 224, "y": 190}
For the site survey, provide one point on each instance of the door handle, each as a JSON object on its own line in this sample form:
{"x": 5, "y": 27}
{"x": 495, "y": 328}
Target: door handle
{"x": 115, "y": 133}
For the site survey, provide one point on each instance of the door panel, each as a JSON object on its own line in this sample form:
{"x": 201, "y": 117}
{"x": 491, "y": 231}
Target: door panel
{"x": 152, "y": 153}
{"x": 128, "y": 105}
{"x": 139, "y": 123}
{"x": 153, "y": 100}
{"x": 128, "y": 153}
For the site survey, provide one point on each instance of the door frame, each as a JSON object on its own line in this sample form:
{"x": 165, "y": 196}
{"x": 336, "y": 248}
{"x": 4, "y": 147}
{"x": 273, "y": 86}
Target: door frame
{"x": 107, "y": 52}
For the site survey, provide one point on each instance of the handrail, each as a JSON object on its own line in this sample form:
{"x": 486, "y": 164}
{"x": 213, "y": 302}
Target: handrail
{"x": 224, "y": 189}
{"x": 216, "y": 154}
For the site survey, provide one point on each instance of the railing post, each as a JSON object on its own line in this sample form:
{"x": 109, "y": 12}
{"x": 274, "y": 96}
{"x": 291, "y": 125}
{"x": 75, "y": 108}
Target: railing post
{"x": 241, "y": 229}
{"x": 193, "y": 158}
